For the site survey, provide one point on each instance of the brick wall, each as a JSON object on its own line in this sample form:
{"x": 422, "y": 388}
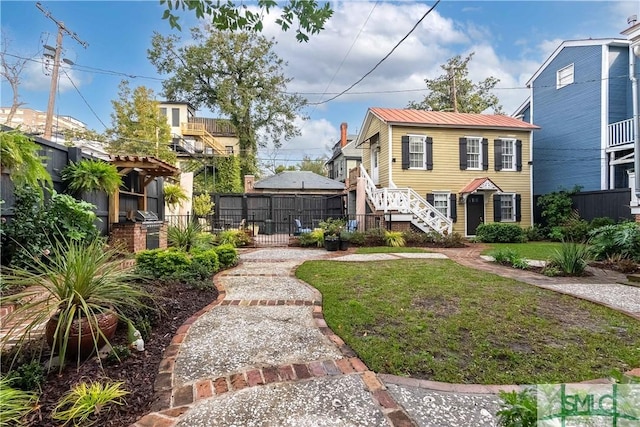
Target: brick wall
{"x": 130, "y": 235}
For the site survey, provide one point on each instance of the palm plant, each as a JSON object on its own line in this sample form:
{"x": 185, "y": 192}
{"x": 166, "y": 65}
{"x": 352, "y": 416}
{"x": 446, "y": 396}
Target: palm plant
{"x": 91, "y": 175}
{"x": 71, "y": 290}
{"x": 183, "y": 236}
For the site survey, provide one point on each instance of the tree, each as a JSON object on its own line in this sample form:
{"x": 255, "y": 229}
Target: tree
{"x": 310, "y": 16}
{"x": 139, "y": 128}
{"x": 237, "y": 74}
{"x": 283, "y": 168}
{"x": 454, "y": 91}
{"x": 10, "y": 70}
{"x": 315, "y": 166}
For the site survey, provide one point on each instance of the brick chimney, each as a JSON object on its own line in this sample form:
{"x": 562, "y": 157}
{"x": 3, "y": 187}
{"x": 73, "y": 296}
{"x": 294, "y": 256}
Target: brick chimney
{"x": 343, "y": 134}
{"x": 249, "y": 180}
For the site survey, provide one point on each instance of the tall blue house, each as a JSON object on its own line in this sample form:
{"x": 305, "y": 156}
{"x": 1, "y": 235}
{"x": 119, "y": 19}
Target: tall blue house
{"x": 581, "y": 98}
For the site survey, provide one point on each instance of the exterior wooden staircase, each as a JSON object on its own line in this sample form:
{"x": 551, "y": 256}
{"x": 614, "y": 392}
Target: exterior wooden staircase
{"x": 406, "y": 201}
{"x": 199, "y": 130}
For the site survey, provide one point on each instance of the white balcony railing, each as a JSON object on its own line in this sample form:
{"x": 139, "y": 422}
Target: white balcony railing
{"x": 620, "y": 133}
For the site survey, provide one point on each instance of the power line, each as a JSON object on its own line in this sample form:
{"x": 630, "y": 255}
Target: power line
{"x": 84, "y": 99}
{"x": 382, "y": 60}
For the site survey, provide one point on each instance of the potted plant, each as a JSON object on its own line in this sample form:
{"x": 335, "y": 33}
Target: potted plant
{"x": 331, "y": 228}
{"x": 79, "y": 291}
{"x": 174, "y": 195}
{"x": 345, "y": 239}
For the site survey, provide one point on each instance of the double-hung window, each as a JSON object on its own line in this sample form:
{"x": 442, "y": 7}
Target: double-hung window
{"x": 416, "y": 152}
{"x": 508, "y": 154}
{"x": 441, "y": 203}
{"x": 507, "y": 207}
{"x": 474, "y": 153}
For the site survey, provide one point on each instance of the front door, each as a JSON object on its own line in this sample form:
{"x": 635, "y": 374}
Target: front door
{"x": 475, "y": 213}
{"x": 374, "y": 164}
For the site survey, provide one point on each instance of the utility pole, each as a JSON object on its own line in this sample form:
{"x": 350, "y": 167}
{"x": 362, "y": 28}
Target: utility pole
{"x": 56, "y": 67}
{"x": 451, "y": 70}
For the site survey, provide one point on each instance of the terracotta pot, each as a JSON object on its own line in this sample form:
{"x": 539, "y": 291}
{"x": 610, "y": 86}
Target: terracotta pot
{"x": 81, "y": 331}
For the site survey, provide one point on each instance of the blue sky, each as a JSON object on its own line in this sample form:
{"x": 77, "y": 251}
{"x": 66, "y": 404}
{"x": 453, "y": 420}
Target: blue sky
{"x": 510, "y": 39}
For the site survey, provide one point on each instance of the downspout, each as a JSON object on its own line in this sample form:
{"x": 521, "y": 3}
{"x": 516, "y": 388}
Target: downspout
{"x": 636, "y": 121}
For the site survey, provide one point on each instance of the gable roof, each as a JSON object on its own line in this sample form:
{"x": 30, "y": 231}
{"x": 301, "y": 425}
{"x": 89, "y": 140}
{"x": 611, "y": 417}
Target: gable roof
{"x": 298, "y": 180}
{"x": 480, "y": 184}
{"x": 576, "y": 43}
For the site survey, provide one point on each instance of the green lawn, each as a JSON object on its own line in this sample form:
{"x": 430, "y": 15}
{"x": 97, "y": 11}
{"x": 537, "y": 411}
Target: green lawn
{"x": 437, "y": 320}
{"x": 529, "y": 250}
{"x": 387, "y": 250}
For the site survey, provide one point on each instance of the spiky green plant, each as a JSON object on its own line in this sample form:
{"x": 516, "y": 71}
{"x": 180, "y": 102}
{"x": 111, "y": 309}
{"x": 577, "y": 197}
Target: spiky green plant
{"x": 517, "y": 409}
{"x": 572, "y": 258}
{"x": 91, "y": 175}
{"x": 183, "y": 236}
{"x": 84, "y": 400}
{"x": 15, "y": 404}
{"x": 77, "y": 280}
{"x": 394, "y": 238}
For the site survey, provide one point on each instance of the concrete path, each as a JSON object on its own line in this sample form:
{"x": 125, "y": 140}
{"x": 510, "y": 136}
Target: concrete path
{"x": 262, "y": 355}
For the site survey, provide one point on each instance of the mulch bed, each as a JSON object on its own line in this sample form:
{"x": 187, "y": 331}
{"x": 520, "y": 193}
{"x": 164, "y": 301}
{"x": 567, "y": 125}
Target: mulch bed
{"x": 138, "y": 371}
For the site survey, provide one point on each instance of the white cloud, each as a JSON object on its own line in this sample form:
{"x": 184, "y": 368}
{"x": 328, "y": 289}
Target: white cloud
{"x": 35, "y": 79}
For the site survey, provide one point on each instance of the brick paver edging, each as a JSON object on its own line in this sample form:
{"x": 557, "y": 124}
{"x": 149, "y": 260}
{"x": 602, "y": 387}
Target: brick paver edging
{"x": 170, "y": 403}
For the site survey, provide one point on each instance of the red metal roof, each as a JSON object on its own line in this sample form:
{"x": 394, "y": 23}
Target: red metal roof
{"x": 449, "y": 119}
{"x": 477, "y": 183}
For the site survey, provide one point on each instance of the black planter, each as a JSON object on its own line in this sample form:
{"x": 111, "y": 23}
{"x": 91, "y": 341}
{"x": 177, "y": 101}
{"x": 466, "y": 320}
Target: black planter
{"x": 344, "y": 245}
{"x": 331, "y": 243}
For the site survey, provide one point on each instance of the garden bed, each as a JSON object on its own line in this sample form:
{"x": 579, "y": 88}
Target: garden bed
{"x": 138, "y": 372}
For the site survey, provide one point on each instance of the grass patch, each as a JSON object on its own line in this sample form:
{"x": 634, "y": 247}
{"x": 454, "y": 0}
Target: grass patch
{"x": 530, "y": 250}
{"x": 388, "y": 250}
{"x": 434, "y": 319}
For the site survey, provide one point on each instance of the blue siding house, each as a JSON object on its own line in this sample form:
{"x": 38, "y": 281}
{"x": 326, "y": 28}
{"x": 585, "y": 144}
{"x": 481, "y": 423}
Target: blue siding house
{"x": 581, "y": 99}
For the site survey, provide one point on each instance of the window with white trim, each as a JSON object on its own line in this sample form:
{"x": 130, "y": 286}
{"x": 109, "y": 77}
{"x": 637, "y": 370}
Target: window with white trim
{"x": 416, "y": 152}
{"x": 564, "y": 76}
{"x": 441, "y": 202}
{"x": 508, "y": 154}
{"x": 474, "y": 153}
{"x": 507, "y": 207}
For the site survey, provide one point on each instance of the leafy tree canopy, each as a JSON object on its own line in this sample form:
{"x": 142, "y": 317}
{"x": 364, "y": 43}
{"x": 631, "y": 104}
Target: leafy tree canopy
{"x": 237, "y": 74}
{"x": 138, "y": 126}
{"x": 307, "y": 164}
{"x": 455, "y": 85}
{"x": 309, "y": 16}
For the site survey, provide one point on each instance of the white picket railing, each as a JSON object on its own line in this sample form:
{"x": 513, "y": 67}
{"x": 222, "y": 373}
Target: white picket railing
{"x": 620, "y": 133}
{"x": 405, "y": 200}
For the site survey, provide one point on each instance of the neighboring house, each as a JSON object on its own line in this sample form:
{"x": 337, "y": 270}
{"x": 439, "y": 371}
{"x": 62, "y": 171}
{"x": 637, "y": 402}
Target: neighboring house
{"x": 294, "y": 182}
{"x": 345, "y": 156}
{"x": 198, "y": 136}
{"x": 33, "y": 121}
{"x": 443, "y": 172}
{"x": 581, "y": 99}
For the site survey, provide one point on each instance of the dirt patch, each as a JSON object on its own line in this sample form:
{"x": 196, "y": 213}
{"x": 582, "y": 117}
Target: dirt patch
{"x": 437, "y": 306}
{"x": 138, "y": 372}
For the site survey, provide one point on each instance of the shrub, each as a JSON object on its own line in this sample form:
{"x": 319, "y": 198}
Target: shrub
{"x": 574, "y": 229}
{"x": 358, "y": 238}
{"x": 556, "y": 207}
{"x": 332, "y": 226}
{"x": 572, "y": 258}
{"x": 620, "y": 239}
{"x": 314, "y": 238}
{"x": 394, "y": 238}
{"x": 511, "y": 257}
{"x": 375, "y": 237}
{"x": 600, "y": 222}
{"x": 236, "y": 238}
{"x": 117, "y": 354}
{"x": 28, "y": 377}
{"x": 203, "y": 241}
{"x": 534, "y": 233}
{"x": 228, "y": 255}
{"x": 518, "y": 409}
{"x": 171, "y": 261}
{"x": 208, "y": 259}
{"x": 85, "y": 400}
{"x": 498, "y": 232}
{"x": 453, "y": 240}
{"x": 14, "y": 404}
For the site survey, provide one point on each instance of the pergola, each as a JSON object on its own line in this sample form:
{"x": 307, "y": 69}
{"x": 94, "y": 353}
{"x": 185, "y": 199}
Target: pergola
{"x": 148, "y": 168}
